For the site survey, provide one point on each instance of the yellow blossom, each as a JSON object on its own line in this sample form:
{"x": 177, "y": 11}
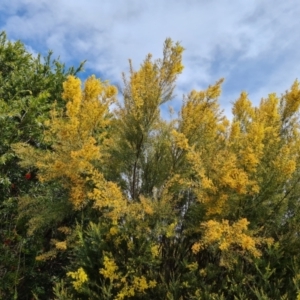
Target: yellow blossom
{"x": 155, "y": 250}
{"x": 110, "y": 268}
{"x": 61, "y": 245}
{"x": 79, "y": 278}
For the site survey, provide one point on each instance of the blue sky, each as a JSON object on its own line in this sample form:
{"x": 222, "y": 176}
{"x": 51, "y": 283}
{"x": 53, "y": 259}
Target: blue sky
{"x": 254, "y": 44}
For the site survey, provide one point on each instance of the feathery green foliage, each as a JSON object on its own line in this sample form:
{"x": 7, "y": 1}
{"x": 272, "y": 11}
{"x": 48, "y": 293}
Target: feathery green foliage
{"x": 123, "y": 204}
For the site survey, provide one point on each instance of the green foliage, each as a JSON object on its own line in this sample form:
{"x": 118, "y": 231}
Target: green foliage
{"x": 28, "y": 87}
{"x": 116, "y": 203}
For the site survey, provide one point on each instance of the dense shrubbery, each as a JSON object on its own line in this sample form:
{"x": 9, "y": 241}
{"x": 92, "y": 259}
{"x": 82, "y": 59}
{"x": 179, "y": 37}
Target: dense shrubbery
{"x": 103, "y": 203}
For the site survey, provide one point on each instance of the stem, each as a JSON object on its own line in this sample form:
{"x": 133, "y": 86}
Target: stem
{"x": 133, "y": 188}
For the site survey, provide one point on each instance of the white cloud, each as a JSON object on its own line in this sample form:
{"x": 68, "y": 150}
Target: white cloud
{"x": 220, "y": 37}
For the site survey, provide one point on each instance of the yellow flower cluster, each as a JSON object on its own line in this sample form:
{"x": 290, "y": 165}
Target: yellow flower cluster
{"x": 79, "y": 278}
{"x": 155, "y": 250}
{"x": 225, "y": 236}
{"x": 110, "y": 269}
{"x": 139, "y": 284}
{"x": 61, "y": 245}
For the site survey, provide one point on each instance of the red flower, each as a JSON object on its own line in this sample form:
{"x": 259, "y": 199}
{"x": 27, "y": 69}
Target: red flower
{"x": 28, "y": 176}
{"x": 7, "y": 242}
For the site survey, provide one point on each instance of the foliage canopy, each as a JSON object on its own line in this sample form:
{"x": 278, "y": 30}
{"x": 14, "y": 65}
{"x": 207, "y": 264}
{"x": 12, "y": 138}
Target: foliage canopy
{"x": 127, "y": 205}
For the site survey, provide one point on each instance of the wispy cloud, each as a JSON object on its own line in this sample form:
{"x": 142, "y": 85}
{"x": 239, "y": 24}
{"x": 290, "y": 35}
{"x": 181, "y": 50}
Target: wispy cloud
{"x": 253, "y": 44}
